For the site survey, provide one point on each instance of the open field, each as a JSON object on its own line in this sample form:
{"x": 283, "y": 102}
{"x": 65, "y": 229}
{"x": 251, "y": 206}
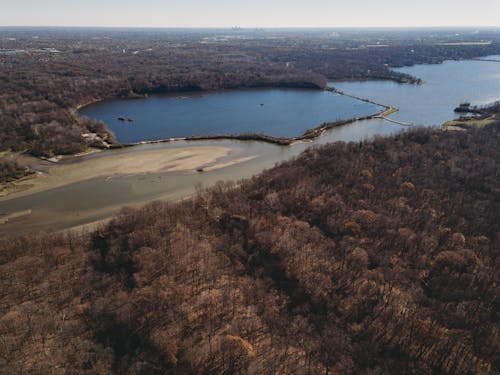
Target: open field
{"x": 477, "y": 123}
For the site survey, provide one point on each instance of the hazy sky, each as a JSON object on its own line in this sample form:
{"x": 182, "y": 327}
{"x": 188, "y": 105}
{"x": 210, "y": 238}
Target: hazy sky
{"x": 249, "y": 13}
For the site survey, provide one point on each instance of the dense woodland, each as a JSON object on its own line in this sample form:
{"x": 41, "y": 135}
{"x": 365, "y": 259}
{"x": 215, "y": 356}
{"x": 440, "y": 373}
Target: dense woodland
{"x": 375, "y": 257}
{"x": 46, "y": 74}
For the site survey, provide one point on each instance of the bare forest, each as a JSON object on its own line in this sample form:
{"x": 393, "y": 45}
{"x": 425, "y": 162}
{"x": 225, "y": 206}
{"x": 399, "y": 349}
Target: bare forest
{"x": 375, "y": 257}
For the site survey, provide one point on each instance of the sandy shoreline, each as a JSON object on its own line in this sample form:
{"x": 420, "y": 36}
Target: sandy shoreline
{"x": 142, "y": 162}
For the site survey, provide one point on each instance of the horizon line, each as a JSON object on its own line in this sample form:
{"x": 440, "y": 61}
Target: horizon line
{"x": 261, "y": 27}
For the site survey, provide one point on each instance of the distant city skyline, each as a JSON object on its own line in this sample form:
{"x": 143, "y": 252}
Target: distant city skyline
{"x": 256, "y": 13}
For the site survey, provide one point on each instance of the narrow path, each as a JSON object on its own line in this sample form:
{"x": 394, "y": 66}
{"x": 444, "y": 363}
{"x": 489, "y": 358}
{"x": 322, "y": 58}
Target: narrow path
{"x": 395, "y": 121}
{"x": 388, "y": 109}
{"x": 333, "y": 89}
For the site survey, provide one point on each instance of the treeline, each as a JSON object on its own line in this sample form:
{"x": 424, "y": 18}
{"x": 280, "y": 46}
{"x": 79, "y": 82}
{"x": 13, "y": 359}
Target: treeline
{"x": 487, "y": 109}
{"x": 373, "y": 257}
{"x": 361, "y": 63}
{"x": 10, "y": 171}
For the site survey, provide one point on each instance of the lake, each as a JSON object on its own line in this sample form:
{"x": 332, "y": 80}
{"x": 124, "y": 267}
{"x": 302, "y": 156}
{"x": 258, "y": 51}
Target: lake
{"x": 276, "y": 112}
{"x": 445, "y": 87}
{"x": 432, "y": 103}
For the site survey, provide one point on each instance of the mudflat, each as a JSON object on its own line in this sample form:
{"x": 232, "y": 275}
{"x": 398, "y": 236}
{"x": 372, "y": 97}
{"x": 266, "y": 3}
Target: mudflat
{"x": 111, "y": 164}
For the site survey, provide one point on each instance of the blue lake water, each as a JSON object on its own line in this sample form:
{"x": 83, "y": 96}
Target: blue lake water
{"x": 275, "y": 112}
{"x": 445, "y": 87}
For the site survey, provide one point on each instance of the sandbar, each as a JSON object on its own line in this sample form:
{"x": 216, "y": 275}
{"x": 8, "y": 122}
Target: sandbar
{"x": 115, "y": 164}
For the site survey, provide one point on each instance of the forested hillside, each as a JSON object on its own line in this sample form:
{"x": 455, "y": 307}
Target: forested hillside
{"x": 375, "y": 257}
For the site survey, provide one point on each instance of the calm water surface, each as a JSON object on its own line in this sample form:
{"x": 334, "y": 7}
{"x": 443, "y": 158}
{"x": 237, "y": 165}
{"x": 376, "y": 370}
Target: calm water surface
{"x": 276, "y": 112}
{"x": 445, "y": 86}
{"x": 431, "y": 103}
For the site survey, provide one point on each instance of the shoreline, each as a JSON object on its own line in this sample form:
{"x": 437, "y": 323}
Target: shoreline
{"x": 132, "y": 95}
{"x": 52, "y": 177}
{"x": 308, "y": 134}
